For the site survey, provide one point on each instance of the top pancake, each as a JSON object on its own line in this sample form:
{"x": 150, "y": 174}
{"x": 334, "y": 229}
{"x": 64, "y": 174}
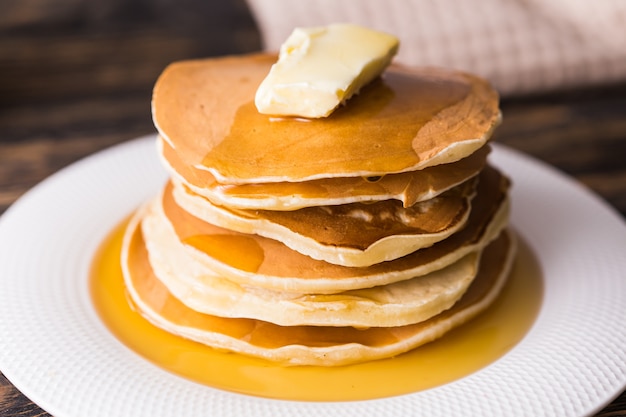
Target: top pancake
{"x": 403, "y": 121}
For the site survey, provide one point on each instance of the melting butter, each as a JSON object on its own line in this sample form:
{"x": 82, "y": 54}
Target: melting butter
{"x": 320, "y": 68}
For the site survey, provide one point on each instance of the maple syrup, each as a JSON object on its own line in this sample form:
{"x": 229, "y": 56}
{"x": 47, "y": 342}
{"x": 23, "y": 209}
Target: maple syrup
{"x": 459, "y": 353}
{"x": 414, "y": 117}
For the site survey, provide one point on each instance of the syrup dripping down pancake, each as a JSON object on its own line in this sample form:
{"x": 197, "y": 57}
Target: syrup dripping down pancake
{"x": 356, "y": 234}
{"x": 267, "y": 263}
{"x": 409, "y": 188}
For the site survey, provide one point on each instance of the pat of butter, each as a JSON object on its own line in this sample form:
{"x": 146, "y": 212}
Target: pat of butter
{"x": 320, "y": 68}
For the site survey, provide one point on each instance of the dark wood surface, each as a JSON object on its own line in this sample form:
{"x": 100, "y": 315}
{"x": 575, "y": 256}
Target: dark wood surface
{"x": 76, "y": 77}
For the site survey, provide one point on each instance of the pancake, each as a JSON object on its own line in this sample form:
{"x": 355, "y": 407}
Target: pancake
{"x": 257, "y": 261}
{"x": 206, "y": 291}
{"x": 351, "y": 237}
{"x": 304, "y": 345}
{"x": 356, "y": 234}
{"x": 403, "y": 121}
{"x": 409, "y": 188}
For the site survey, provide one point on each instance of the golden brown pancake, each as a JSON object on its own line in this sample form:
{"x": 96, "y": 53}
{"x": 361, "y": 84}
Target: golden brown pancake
{"x": 258, "y": 261}
{"x": 353, "y": 237}
{"x": 403, "y": 121}
{"x": 355, "y": 234}
{"x": 304, "y": 345}
{"x": 409, "y": 187}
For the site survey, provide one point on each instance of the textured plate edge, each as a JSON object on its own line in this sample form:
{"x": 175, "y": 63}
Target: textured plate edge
{"x": 269, "y": 405}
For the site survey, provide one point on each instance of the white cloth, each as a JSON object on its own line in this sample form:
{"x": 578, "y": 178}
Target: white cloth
{"x": 521, "y": 46}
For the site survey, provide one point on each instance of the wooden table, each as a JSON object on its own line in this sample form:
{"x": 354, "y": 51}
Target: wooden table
{"x": 74, "y": 85}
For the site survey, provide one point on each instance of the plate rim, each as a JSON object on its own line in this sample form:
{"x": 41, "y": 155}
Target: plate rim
{"x": 149, "y": 171}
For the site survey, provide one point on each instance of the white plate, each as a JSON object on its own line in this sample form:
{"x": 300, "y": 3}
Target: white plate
{"x": 55, "y": 349}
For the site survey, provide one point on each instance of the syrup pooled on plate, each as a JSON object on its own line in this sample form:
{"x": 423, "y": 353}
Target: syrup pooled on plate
{"x": 459, "y": 353}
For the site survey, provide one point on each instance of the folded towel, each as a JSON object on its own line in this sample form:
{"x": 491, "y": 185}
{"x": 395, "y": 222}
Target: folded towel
{"x": 521, "y": 46}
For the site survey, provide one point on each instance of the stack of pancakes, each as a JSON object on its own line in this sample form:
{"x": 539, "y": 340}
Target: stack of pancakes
{"x": 321, "y": 242}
